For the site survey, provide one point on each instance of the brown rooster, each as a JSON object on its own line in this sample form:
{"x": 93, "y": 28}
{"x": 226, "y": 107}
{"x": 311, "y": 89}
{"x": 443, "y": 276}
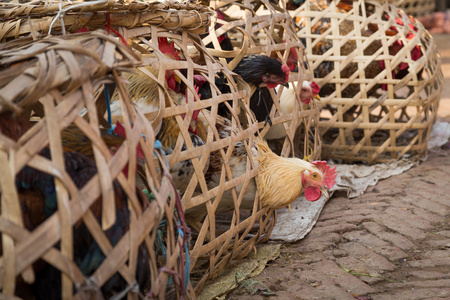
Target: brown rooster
{"x": 146, "y": 90}
{"x": 281, "y": 180}
{"x": 73, "y": 139}
{"x": 37, "y": 196}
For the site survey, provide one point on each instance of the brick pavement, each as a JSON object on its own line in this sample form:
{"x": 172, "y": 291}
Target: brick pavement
{"x": 398, "y": 232}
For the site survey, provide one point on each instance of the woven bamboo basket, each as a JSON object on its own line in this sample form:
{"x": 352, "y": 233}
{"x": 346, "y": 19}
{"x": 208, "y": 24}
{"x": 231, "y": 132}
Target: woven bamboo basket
{"x": 265, "y": 27}
{"x": 221, "y": 235}
{"x": 417, "y": 8}
{"x": 48, "y": 86}
{"x": 380, "y": 77}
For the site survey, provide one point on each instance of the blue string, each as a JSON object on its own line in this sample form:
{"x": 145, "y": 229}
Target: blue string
{"x": 159, "y": 241}
{"x": 188, "y": 264}
{"x": 108, "y": 104}
{"x": 158, "y": 146}
{"x": 108, "y": 108}
{"x": 111, "y": 129}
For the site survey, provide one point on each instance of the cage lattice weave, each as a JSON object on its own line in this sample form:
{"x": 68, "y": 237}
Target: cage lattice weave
{"x": 380, "y": 77}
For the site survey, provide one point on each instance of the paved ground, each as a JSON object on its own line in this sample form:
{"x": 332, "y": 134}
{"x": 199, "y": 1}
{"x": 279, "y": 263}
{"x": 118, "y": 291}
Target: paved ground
{"x": 398, "y": 232}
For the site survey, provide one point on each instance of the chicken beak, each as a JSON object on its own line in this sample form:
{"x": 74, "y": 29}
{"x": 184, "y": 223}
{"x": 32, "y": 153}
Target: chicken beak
{"x": 325, "y": 192}
{"x": 177, "y": 79}
{"x": 317, "y": 97}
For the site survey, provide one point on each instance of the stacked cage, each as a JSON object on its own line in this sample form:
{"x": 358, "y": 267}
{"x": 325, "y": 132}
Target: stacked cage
{"x": 205, "y": 145}
{"x": 380, "y": 77}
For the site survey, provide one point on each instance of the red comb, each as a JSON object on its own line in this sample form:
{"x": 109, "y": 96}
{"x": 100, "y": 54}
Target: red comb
{"x": 293, "y": 53}
{"x": 315, "y": 88}
{"x": 168, "y": 48}
{"x": 195, "y": 114}
{"x": 119, "y": 129}
{"x": 329, "y": 174}
{"x": 220, "y": 15}
{"x": 286, "y": 71}
{"x": 199, "y": 80}
{"x": 197, "y": 89}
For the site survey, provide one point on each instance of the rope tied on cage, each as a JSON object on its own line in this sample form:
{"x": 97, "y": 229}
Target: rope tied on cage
{"x": 109, "y": 29}
{"x": 181, "y": 279}
{"x": 158, "y": 146}
{"x": 108, "y": 107}
{"x": 60, "y": 16}
{"x": 61, "y": 13}
{"x": 184, "y": 231}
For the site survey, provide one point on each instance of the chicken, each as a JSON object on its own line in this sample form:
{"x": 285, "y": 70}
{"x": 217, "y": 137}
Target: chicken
{"x": 254, "y": 70}
{"x": 169, "y": 133}
{"x": 258, "y": 69}
{"x": 288, "y": 97}
{"x": 181, "y": 171}
{"x": 280, "y": 180}
{"x": 224, "y": 40}
{"x": 145, "y": 93}
{"x": 292, "y": 59}
{"x": 37, "y": 196}
{"x": 143, "y": 90}
{"x": 73, "y": 139}
{"x": 237, "y": 164}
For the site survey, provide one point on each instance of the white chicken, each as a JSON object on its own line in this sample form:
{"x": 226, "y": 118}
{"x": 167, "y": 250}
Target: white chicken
{"x": 288, "y": 97}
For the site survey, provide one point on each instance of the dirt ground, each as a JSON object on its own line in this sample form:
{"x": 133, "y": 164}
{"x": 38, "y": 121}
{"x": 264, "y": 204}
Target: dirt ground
{"x": 393, "y": 242}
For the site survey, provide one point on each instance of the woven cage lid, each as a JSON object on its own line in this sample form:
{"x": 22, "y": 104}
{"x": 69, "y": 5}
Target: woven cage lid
{"x": 49, "y": 16}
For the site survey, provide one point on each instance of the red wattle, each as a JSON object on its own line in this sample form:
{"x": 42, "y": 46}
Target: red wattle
{"x": 306, "y": 101}
{"x": 312, "y": 193}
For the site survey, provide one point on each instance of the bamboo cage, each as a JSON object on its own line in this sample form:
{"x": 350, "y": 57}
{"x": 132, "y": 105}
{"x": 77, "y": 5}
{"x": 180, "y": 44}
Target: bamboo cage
{"x": 265, "y": 27}
{"x": 417, "y": 8}
{"x": 380, "y": 77}
{"x": 219, "y": 235}
{"x": 100, "y": 232}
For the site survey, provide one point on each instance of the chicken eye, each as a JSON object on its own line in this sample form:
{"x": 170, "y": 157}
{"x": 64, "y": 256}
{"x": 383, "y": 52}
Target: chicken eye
{"x": 315, "y": 175}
